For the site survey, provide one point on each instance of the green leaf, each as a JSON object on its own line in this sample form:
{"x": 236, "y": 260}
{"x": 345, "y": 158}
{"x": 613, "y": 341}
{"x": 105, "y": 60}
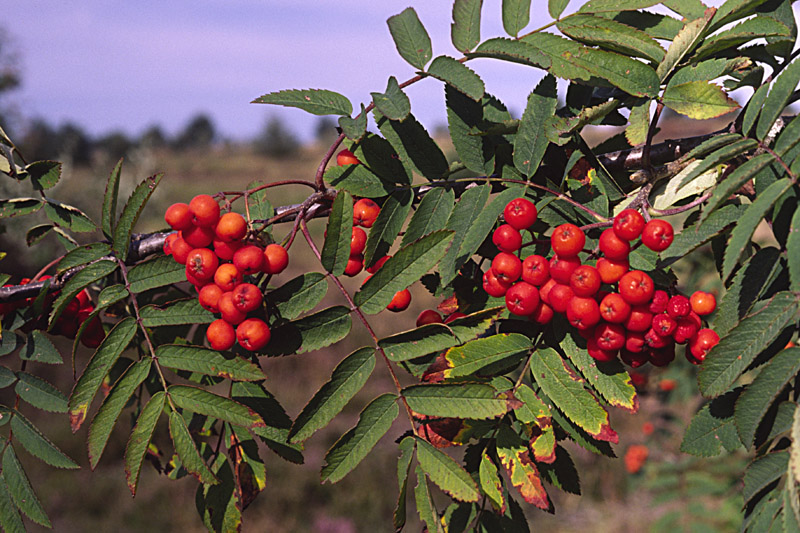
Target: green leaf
{"x": 186, "y": 311}
{"x": 258, "y": 203}
{"x": 109, "y": 412}
{"x": 109, "y": 209}
{"x": 410, "y": 38}
{"x": 425, "y": 508}
{"x": 347, "y": 379}
{"x": 531, "y": 140}
{"x": 41, "y": 350}
{"x": 417, "y": 342}
{"x": 393, "y": 104}
{"x": 699, "y": 233}
{"x": 793, "y": 252}
{"x": 699, "y": 100}
{"x": 516, "y": 15}
{"x": 468, "y": 327}
{"x": 762, "y": 472}
{"x": 299, "y": 295}
{"x": 753, "y": 108}
{"x": 417, "y": 151}
{"x": 311, "y": 332}
{"x": 407, "y": 446}
{"x": 157, "y": 272}
{"x": 387, "y": 226}
{"x": 37, "y": 444}
{"x": 742, "y": 33}
{"x": 186, "y": 449}
{"x": 722, "y": 155}
{"x": 140, "y": 438}
{"x": 779, "y": 95}
{"x": 105, "y": 356}
{"x": 599, "y": 6}
{"x": 759, "y": 395}
{"x": 10, "y": 520}
{"x": 465, "y": 31}
{"x": 207, "y": 362}
{"x": 404, "y": 268}
{"x": 470, "y": 358}
{"x": 354, "y": 128}
{"x": 8, "y": 377}
{"x": 275, "y": 434}
{"x": 14, "y": 207}
{"x": 636, "y": 132}
{"x": 713, "y": 428}
{"x": 457, "y": 75}
{"x": 566, "y": 390}
{"x": 609, "y": 379}
{"x": 514, "y": 455}
{"x": 358, "y": 180}
{"x": 78, "y": 282}
{"x": 464, "y": 117}
{"x": 464, "y": 400}
{"x": 336, "y": 250}
{"x": 431, "y": 215}
{"x": 68, "y": 217}
{"x": 744, "y": 229}
{"x": 612, "y": 35}
{"x": 736, "y": 350}
{"x": 40, "y": 393}
{"x": 708, "y": 70}
{"x": 20, "y": 488}
{"x": 83, "y": 255}
{"x": 130, "y": 214}
{"x": 220, "y": 506}
{"x": 491, "y": 484}
{"x": 314, "y": 101}
{"x": 446, "y": 473}
{"x": 351, "y": 448}
{"x": 516, "y": 52}
{"x": 379, "y": 156}
{"x": 207, "y": 403}
{"x": 683, "y": 43}
{"x": 37, "y": 233}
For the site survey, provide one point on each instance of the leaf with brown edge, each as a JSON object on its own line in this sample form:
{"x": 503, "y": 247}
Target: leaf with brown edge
{"x": 491, "y": 484}
{"x": 538, "y": 424}
{"x": 515, "y": 457}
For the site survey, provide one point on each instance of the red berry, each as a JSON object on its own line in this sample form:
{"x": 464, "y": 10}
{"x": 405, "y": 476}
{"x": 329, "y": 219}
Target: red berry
{"x": 400, "y": 301}
{"x": 609, "y": 336}
{"x": 702, "y": 342}
{"x": 202, "y": 263}
{"x": 355, "y": 264}
{"x": 249, "y": 259}
{"x": 598, "y": 353}
{"x": 678, "y": 306}
{"x": 493, "y": 286}
{"x": 567, "y": 240}
{"x": 611, "y": 270}
{"x": 561, "y": 268}
{"x": 205, "y": 211}
{"x": 659, "y": 302}
{"x": 664, "y": 325}
{"x": 365, "y": 212}
{"x": 507, "y": 238}
{"x": 628, "y": 224}
{"x": 520, "y": 213}
{"x": 640, "y": 319}
{"x": 209, "y": 297}
{"x": 636, "y": 287}
{"x": 585, "y": 281}
{"x": 253, "y": 334}
{"x": 227, "y": 277}
{"x": 378, "y": 264}
{"x": 507, "y": 267}
{"x": 247, "y": 297}
{"x": 687, "y": 327}
{"x": 634, "y": 359}
{"x": 231, "y": 227}
{"x": 657, "y": 235}
{"x": 583, "y": 313}
{"x": 276, "y": 259}
{"x": 543, "y": 313}
{"x": 634, "y": 342}
{"x": 535, "y": 270}
{"x": 346, "y": 157}
{"x": 358, "y": 241}
{"x": 198, "y": 236}
{"x": 522, "y": 299}
{"x": 179, "y": 216}
{"x": 703, "y": 303}
{"x": 613, "y": 247}
{"x": 614, "y": 308}
{"x": 559, "y": 297}
{"x": 220, "y": 335}
{"x": 429, "y": 316}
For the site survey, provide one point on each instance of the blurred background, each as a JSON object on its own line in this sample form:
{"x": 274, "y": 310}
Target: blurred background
{"x": 167, "y": 86}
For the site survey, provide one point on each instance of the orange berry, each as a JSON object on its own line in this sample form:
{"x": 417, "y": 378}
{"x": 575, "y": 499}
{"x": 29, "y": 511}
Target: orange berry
{"x": 365, "y": 212}
{"x": 247, "y": 297}
{"x": 253, "y": 334}
{"x": 209, "y": 297}
{"x": 231, "y": 227}
{"x": 276, "y": 259}
{"x": 346, "y": 157}
{"x": 703, "y": 303}
{"x": 400, "y": 301}
{"x": 205, "y": 210}
{"x": 225, "y": 250}
{"x": 220, "y": 335}
{"x": 201, "y": 264}
{"x": 198, "y": 236}
{"x": 230, "y": 313}
{"x": 227, "y": 277}
{"x": 179, "y": 216}
{"x": 248, "y": 259}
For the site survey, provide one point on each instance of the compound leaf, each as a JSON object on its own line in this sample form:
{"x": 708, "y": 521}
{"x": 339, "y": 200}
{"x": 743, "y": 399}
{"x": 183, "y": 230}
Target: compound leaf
{"x": 37, "y": 444}
{"x": 39, "y": 393}
{"x": 311, "y": 332}
{"x": 187, "y": 451}
{"x": 299, "y": 295}
{"x": 20, "y": 488}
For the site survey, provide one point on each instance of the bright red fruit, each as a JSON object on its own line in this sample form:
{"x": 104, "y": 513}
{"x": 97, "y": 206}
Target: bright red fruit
{"x": 567, "y": 240}
{"x": 585, "y": 281}
{"x": 179, "y": 216}
{"x": 520, "y": 213}
{"x": 220, "y": 335}
{"x": 205, "y": 210}
{"x": 247, "y": 297}
{"x": 429, "y": 316}
{"x": 507, "y": 267}
{"x": 253, "y": 334}
{"x": 507, "y": 238}
{"x": 614, "y": 308}
{"x": 365, "y": 212}
{"x": 657, "y": 235}
{"x": 703, "y": 303}
{"x": 493, "y": 286}
{"x": 276, "y": 259}
{"x": 636, "y": 287}
{"x": 678, "y": 306}
{"x": 346, "y": 157}
{"x": 613, "y": 247}
{"x": 535, "y": 270}
{"x": 611, "y": 271}
{"x": 249, "y": 259}
{"x": 702, "y": 342}
{"x": 202, "y": 263}
{"x": 400, "y": 301}
{"x": 628, "y": 224}
{"x": 561, "y": 268}
{"x": 583, "y": 313}
{"x": 358, "y": 241}
{"x": 609, "y": 336}
{"x": 522, "y": 298}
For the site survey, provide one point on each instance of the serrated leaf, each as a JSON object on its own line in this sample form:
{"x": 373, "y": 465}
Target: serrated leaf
{"x": 516, "y": 15}
{"x": 699, "y": 233}
{"x": 207, "y": 403}
{"x": 744, "y": 229}
{"x": 130, "y": 214}
{"x": 299, "y": 295}
{"x": 82, "y": 255}
{"x": 336, "y": 250}
{"x": 491, "y": 485}
{"x": 465, "y": 32}
{"x": 753, "y": 108}
{"x": 10, "y": 520}
{"x": 699, "y": 100}
{"x": 457, "y": 75}
{"x": 407, "y": 446}
{"x": 759, "y": 395}
{"x": 793, "y": 252}
{"x": 314, "y": 101}
{"x": 531, "y": 140}
{"x": 156, "y": 272}
{"x": 379, "y": 156}
{"x": 14, "y": 207}
{"x": 566, "y": 390}
{"x": 515, "y": 457}
{"x": 140, "y": 438}
{"x": 109, "y": 412}
{"x": 109, "y": 209}
{"x": 275, "y": 433}
{"x": 414, "y": 146}
{"x": 186, "y": 449}
{"x": 347, "y": 379}
{"x": 723, "y": 155}
{"x": 762, "y": 472}
{"x": 735, "y": 351}
{"x": 20, "y": 488}
{"x": 468, "y": 327}
{"x": 639, "y": 119}
{"x": 609, "y": 379}
{"x": 40, "y": 394}
{"x": 464, "y": 115}
{"x": 393, "y": 104}
{"x": 220, "y": 506}
{"x": 359, "y": 181}
{"x": 78, "y": 282}
{"x": 68, "y": 217}
{"x": 404, "y": 268}
{"x": 186, "y": 311}
{"x": 708, "y": 70}
{"x": 208, "y": 362}
{"x": 351, "y": 448}
{"x": 258, "y": 203}
{"x": 387, "y": 226}
{"x": 431, "y": 215}
{"x": 742, "y": 33}
{"x": 37, "y": 444}
{"x": 410, "y": 38}
{"x": 311, "y": 332}
{"x": 516, "y": 52}
{"x": 37, "y": 233}
{"x": 600, "y": 6}
{"x": 713, "y": 427}
{"x": 683, "y": 43}
{"x": 105, "y": 356}
{"x": 668, "y": 193}
{"x": 470, "y": 358}
{"x": 418, "y": 342}
{"x": 354, "y": 128}
{"x": 465, "y": 400}
{"x": 611, "y": 35}
{"x": 7, "y": 377}
{"x": 40, "y": 349}
{"x": 656, "y": 25}
{"x": 779, "y": 94}
{"x": 425, "y": 508}
{"x": 446, "y": 473}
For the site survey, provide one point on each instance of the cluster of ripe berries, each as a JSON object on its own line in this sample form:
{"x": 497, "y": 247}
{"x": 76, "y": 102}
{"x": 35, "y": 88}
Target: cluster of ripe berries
{"x": 72, "y": 317}
{"x": 617, "y": 310}
{"x": 219, "y": 263}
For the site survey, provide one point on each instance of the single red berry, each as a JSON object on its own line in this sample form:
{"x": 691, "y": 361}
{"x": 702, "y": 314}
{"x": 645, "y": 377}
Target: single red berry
{"x": 198, "y": 236}
{"x": 659, "y": 302}
{"x": 225, "y": 250}
{"x": 703, "y": 303}
{"x": 678, "y": 306}
{"x": 559, "y": 297}
{"x": 179, "y": 216}
{"x": 613, "y": 247}
{"x": 567, "y": 240}
{"x": 543, "y": 313}
{"x": 209, "y": 297}
{"x": 522, "y": 299}
{"x": 636, "y": 287}
{"x": 276, "y": 259}
{"x": 247, "y": 297}
{"x": 221, "y": 335}
{"x": 355, "y": 264}
{"x": 520, "y": 213}
{"x": 561, "y": 268}
{"x": 634, "y": 341}
{"x": 664, "y": 324}
{"x": 544, "y": 291}
{"x": 609, "y": 336}
{"x": 640, "y": 319}
{"x": 507, "y": 238}
{"x": 585, "y": 281}
{"x": 702, "y": 342}
{"x": 598, "y": 353}
{"x": 628, "y": 224}
{"x": 687, "y": 327}
{"x": 657, "y": 235}
{"x": 583, "y": 313}
{"x": 493, "y": 286}
{"x": 227, "y": 277}
{"x": 654, "y": 340}
{"x": 535, "y": 270}
{"x": 358, "y": 241}
{"x": 614, "y": 308}
{"x": 400, "y": 301}
{"x": 205, "y": 211}
{"x": 429, "y": 316}
{"x": 346, "y": 157}
{"x": 230, "y": 313}
{"x": 231, "y": 227}
{"x": 365, "y": 212}
{"x": 249, "y": 259}
{"x": 253, "y": 334}
{"x": 202, "y": 263}
{"x": 507, "y": 267}
{"x": 611, "y": 270}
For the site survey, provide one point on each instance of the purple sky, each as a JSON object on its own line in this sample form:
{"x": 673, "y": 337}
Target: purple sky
{"x": 109, "y": 65}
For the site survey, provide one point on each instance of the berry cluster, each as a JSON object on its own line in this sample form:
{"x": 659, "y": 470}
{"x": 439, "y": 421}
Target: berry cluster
{"x": 221, "y": 262}
{"x": 617, "y": 310}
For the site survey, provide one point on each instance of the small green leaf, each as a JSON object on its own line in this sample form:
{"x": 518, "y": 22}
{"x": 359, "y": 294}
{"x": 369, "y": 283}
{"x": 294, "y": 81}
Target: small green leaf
{"x": 37, "y": 233}
{"x": 347, "y": 379}
{"x": 393, "y": 104}
{"x": 467, "y": 400}
{"x": 14, "y": 207}
{"x": 793, "y": 252}
{"x": 407, "y": 446}
{"x": 531, "y": 140}
{"x": 713, "y": 428}
{"x": 410, "y": 38}
{"x": 20, "y": 488}
{"x": 354, "y": 128}
{"x": 387, "y": 226}
{"x": 683, "y": 43}
{"x": 516, "y": 15}
{"x": 779, "y": 95}
{"x": 186, "y": 449}
{"x": 611, "y": 35}
{"x": 208, "y": 362}
{"x": 40, "y": 393}
{"x": 314, "y": 101}
{"x": 491, "y": 485}
{"x": 722, "y": 155}
{"x": 762, "y": 472}
{"x": 8, "y": 377}
{"x": 10, "y": 520}
{"x": 446, "y": 473}
{"x": 220, "y": 506}
{"x": 417, "y": 150}
{"x": 311, "y": 332}
{"x": 130, "y": 214}
{"x": 140, "y": 438}
{"x": 696, "y": 235}
{"x": 470, "y": 358}
{"x": 157, "y": 272}
{"x": 186, "y": 311}
{"x": 83, "y": 255}
{"x": 699, "y": 100}
{"x": 336, "y": 250}
{"x": 600, "y": 6}
{"x": 109, "y": 209}
{"x": 639, "y": 119}
{"x": 753, "y": 108}
{"x": 68, "y": 217}
{"x": 351, "y": 448}
{"x": 41, "y": 349}
{"x": 258, "y": 203}
{"x": 742, "y": 33}
{"x": 358, "y": 180}
{"x": 425, "y": 508}
{"x": 515, "y": 457}
{"x": 431, "y": 215}
{"x": 78, "y": 282}
{"x": 299, "y": 295}
{"x": 418, "y": 342}
{"x": 457, "y": 75}
{"x": 37, "y": 444}
{"x": 207, "y": 403}
{"x": 466, "y": 29}
{"x": 516, "y": 52}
